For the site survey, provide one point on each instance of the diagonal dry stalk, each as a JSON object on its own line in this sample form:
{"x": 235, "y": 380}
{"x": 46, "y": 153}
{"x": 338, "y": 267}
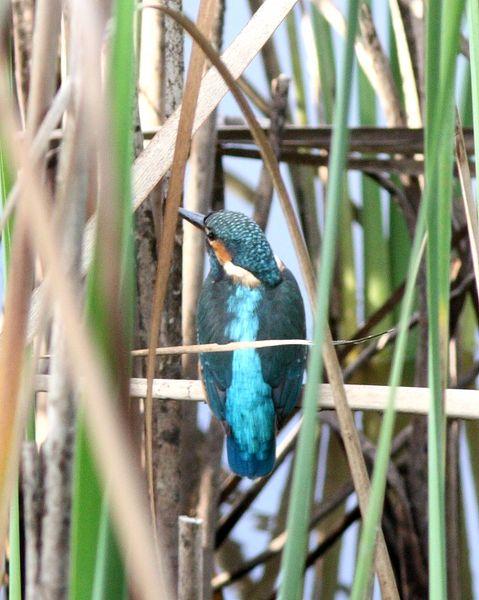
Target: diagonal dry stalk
{"x": 348, "y": 428}
{"x": 200, "y": 486}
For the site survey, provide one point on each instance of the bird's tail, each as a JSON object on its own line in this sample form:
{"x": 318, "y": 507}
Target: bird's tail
{"x": 248, "y": 464}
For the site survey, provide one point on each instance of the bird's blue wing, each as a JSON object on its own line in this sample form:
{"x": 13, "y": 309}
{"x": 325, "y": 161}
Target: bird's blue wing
{"x": 282, "y": 317}
{"x": 211, "y": 324}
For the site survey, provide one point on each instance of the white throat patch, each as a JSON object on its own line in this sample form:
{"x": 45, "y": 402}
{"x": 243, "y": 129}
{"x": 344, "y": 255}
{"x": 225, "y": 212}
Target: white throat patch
{"x": 240, "y": 275}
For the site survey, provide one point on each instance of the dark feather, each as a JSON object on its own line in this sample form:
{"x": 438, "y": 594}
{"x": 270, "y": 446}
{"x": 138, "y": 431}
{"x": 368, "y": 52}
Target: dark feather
{"x": 211, "y": 324}
{"x": 282, "y": 317}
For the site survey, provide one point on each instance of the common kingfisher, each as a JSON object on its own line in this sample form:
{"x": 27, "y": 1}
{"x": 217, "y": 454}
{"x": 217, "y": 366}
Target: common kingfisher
{"x": 248, "y": 295}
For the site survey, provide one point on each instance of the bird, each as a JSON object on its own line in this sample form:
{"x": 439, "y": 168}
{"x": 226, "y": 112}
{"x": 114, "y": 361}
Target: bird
{"x": 248, "y": 295}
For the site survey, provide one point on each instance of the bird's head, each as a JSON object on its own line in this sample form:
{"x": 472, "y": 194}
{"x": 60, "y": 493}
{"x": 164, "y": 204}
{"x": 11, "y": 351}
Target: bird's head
{"x": 237, "y": 246}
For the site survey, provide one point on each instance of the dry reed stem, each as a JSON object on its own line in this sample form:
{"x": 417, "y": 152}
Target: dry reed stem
{"x": 44, "y": 53}
{"x": 58, "y": 449}
{"x": 381, "y": 338}
{"x": 109, "y": 439}
{"x": 200, "y": 454}
{"x": 363, "y": 139}
{"x": 190, "y": 559}
{"x": 381, "y": 76}
{"x": 42, "y": 87}
{"x": 198, "y": 198}
{"x": 32, "y": 501}
{"x": 149, "y": 72}
{"x": 261, "y": 103}
{"x": 12, "y": 344}
{"x": 175, "y": 188}
{"x": 167, "y": 420}
{"x": 376, "y": 165}
{"x": 198, "y": 348}
{"x": 22, "y": 18}
{"x": 460, "y": 403}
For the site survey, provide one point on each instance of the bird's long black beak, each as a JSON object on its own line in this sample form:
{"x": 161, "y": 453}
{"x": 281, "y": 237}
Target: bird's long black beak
{"x": 196, "y": 219}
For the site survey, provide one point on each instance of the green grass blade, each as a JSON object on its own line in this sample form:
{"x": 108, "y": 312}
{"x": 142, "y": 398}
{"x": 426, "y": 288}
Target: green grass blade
{"x": 373, "y": 516}
{"x": 376, "y": 255}
{"x": 473, "y": 21}
{"x": 436, "y": 137}
{"x": 335, "y": 461}
{"x": 87, "y": 499}
{"x": 326, "y": 63}
{"x": 298, "y": 76}
{"x": 438, "y": 201}
{"x": 94, "y": 547}
{"x": 302, "y": 176}
{"x": 399, "y": 240}
{"x": 108, "y": 583}
{"x": 15, "y": 561}
{"x": 298, "y": 515}
{"x": 327, "y": 78}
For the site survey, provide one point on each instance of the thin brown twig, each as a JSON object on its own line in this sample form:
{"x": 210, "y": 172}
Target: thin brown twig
{"x": 375, "y": 164}
{"x": 206, "y": 15}
{"x": 230, "y": 346}
{"x": 254, "y": 95}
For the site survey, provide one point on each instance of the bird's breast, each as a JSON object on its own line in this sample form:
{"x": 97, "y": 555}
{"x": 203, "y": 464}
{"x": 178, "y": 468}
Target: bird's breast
{"x": 249, "y": 406}
{"x": 243, "y": 326}
{"x": 242, "y": 307}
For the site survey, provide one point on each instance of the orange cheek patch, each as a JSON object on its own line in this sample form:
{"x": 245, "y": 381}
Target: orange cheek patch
{"x": 221, "y": 252}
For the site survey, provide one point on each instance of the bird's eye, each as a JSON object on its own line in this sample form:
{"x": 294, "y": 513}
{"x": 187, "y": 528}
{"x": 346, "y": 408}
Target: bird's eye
{"x": 210, "y": 235}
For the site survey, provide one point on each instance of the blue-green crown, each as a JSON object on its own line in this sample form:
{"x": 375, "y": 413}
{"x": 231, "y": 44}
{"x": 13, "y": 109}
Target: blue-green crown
{"x": 246, "y": 243}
